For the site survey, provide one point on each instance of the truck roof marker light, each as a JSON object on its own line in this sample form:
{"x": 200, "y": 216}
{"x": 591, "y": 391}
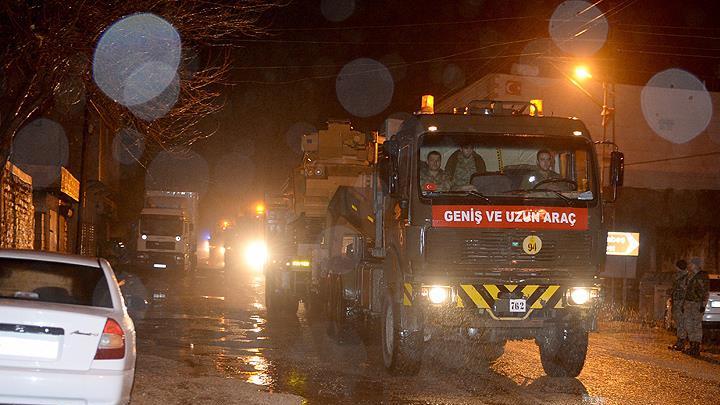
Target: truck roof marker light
{"x": 432, "y": 128}
{"x": 427, "y": 105}
{"x": 577, "y": 133}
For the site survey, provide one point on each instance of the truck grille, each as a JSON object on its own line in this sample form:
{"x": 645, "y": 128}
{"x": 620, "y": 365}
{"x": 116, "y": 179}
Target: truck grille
{"x": 504, "y": 248}
{"x": 160, "y": 245}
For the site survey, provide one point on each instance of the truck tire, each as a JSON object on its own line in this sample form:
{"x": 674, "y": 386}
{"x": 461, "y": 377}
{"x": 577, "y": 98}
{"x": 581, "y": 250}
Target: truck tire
{"x": 563, "y": 352}
{"x": 402, "y": 352}
{"x": 339, "y": 327}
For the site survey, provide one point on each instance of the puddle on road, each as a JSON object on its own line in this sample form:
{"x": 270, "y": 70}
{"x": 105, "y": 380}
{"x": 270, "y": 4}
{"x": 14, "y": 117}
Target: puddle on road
{"x": 222, "y": 330}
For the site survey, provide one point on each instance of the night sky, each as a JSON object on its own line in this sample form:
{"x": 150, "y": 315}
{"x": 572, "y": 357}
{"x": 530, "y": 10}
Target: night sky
{"x": 284, "y": 84}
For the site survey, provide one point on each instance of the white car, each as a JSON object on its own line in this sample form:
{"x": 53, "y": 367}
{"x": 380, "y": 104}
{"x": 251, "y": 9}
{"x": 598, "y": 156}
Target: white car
{"x": 711, "y": 318}
{"x": 65, "y": 334}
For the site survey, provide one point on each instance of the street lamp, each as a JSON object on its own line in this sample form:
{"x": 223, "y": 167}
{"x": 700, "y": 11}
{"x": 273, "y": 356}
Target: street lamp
{"x": 582, "y": 73}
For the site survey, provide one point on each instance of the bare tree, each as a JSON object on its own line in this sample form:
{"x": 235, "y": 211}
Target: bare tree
{"x": 46, "y": 51}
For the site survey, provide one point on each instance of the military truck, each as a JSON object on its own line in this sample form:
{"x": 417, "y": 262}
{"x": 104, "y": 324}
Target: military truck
{"x": 514, "y": 256}
{"x": 295, "y": 219}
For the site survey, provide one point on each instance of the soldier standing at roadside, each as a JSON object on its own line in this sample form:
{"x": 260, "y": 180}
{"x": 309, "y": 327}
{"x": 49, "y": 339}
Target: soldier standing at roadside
{"x": 696, "y": 297}
{"x": 677, "y": 295}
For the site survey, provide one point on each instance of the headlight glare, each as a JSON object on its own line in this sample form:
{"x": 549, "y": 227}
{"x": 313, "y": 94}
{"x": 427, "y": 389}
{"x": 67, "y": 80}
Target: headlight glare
{"x": 438, "y": 295}
{"x": 580, "y": 295}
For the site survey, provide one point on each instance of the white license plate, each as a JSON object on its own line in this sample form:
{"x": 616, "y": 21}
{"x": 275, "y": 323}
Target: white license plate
{"x": 517, "y": 305}
{"x": 34, "y": 347}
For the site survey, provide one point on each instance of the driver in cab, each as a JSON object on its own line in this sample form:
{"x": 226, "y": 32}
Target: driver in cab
{"x": 543, "y": 172}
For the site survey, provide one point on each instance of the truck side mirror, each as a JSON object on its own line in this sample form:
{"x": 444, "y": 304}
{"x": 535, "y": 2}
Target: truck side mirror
{"x": 617, "y": 168}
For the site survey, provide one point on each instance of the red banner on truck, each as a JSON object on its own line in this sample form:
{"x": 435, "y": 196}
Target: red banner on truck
{"x": 509, "y": 216}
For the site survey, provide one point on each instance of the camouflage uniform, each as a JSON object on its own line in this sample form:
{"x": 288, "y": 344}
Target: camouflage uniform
{"x": 463, "y": 171}
{"x": 677, "y": 296}
{"x": 539, "y": 175}
{"x": 460, "y": 168}
{"x": 440, "y": 179}
{"x": 696, "y": 297}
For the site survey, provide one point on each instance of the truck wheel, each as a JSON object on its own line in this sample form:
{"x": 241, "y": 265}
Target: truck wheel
{"x": 402, "y": 352}
{"x": 339, "y": 326}
{"x": 563, "y": 351}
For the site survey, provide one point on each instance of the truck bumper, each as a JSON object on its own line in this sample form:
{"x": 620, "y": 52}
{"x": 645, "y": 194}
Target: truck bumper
{"x": 160, "y": 263}
{"x": 500, "y": 311}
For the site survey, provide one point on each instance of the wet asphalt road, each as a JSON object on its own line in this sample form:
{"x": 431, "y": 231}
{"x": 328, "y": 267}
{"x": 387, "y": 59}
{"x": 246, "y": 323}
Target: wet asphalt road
{"x": 215, "y": 323}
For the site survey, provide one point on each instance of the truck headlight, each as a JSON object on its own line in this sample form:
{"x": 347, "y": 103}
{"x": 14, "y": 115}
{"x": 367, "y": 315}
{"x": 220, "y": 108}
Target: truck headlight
{"x": 581, "y": 295}
{"x": 437, "y": 294}
{"x": 178, "y": 238}
{"x": 143, "y": 237}
{"x": 256, "y": 255}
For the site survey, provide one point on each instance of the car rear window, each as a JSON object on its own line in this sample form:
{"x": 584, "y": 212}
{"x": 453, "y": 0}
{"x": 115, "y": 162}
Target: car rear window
{"x": 54, "y": 282}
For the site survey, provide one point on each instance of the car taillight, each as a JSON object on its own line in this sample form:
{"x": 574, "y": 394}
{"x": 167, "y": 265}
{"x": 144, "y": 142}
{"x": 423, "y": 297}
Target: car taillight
{"x": 112, "y": 342}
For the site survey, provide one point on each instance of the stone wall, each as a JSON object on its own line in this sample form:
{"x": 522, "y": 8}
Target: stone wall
{"x": 16, "y": 209}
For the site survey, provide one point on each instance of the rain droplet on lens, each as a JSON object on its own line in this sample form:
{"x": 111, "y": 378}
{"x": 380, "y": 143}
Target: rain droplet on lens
{"x": 293, "y": 137}
{"x": 364, "y": 87}
{"x": 676, "y": 105}
{"x": 178, "y": 171}
{"x": 39, "y": 145}
{"x": 136, "y": 58}
{"x": 578, "y": 28}
{"x": 128, "y": 146}
{"x": 159, "y": 106}
{"x": 337, "y": 10}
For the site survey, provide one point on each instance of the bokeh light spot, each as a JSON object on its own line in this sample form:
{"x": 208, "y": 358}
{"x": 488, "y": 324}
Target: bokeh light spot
{"x": 676, "y": 105}
{"x": 159, "y": 106}
{"x": 294, "y": 135}
{"x": 137, "y": 58}
{"x": 364, "y": 87}
{"x": 41, "y": 143}
{"x": 578, "y": 28}
{"x": 186, "y": 171}
{"x": 128, "y": 146}
{"x": 337, "y": 10}
{"x": 453, "y": 77}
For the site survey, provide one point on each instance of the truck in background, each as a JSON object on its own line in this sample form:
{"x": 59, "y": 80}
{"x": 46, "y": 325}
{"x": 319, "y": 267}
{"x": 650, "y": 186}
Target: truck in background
{"x": 515, "y": 256}
{"x": 295, "y": 220}
{"x": 166, "y": 231}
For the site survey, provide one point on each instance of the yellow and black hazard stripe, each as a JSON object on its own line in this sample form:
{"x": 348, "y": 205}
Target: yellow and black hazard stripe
{"x": 484, "y": 295}
{"x": 408, "y": 294}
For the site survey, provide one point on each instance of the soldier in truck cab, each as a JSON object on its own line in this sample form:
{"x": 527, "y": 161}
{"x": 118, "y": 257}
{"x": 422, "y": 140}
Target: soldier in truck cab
{"x": 462, "y": 164}
{"x": 543, "y": 171}
{"x": 432, "y": 176}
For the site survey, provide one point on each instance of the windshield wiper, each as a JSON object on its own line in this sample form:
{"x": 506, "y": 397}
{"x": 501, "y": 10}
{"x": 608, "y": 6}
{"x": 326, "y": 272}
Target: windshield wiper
{"x": 461, "y": 193}
{"x": 557, "y": 193}
{"x": 565, "y": 198}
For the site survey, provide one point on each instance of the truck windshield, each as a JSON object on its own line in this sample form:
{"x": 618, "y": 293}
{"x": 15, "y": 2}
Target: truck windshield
{"x": 506, "y": 165}
{"x": 163, "y": 225}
